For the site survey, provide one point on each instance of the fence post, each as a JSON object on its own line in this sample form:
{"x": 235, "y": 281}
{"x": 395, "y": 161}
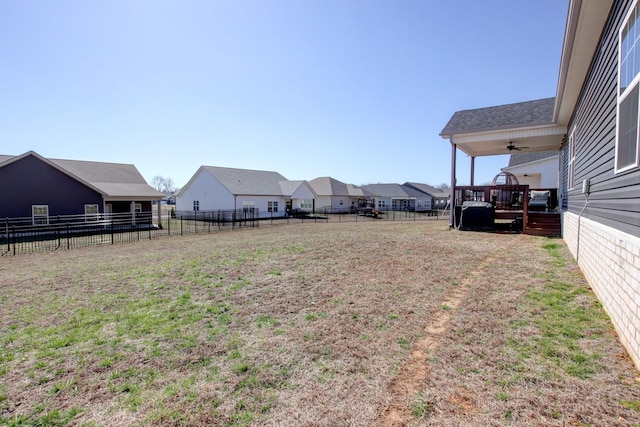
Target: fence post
{"x": 68, "y": 242}
{"x": 14, "y": 239}
{"x": 181, "y": 231}
{"x": 112, "y": 236}
{"x": 150, "y": 224}
{"x": 169, "y": 224}
{"x": 7, "y": 232}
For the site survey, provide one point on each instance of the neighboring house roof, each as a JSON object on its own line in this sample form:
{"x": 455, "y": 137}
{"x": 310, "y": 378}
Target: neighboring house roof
{"x": 432, "y": 191}
{"x": 327, "y": 186}
{"x": 250, "y": 182}
{"x": 522, "y": 158}
{"x": 113, "y": 180}
{"x": 289, "y": 188}
{"x": 529, "y": 113}
{"x": 247, "y": 181}
{"x": 391, "y": 190}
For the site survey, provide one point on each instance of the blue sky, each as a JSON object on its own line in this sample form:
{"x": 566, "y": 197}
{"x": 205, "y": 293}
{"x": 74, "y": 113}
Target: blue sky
{"x": 352, "y": 89}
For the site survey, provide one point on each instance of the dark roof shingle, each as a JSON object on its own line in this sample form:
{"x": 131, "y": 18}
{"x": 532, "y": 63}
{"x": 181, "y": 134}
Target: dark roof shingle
{"x": 529, "y": 113}
{"x": 522, "y": 158}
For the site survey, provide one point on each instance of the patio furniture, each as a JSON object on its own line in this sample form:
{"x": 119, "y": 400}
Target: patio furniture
{"x": 539, "y": 200}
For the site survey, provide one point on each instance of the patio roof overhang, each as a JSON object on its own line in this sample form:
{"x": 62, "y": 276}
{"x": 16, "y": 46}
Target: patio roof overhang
{"x": 496, "y": 142}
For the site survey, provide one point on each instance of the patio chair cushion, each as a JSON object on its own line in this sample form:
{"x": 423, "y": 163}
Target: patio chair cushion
{"x": 539, "y": 199}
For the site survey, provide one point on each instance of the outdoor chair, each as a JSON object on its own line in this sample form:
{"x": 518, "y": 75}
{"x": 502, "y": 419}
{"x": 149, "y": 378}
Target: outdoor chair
{"x": 539, "y": 200}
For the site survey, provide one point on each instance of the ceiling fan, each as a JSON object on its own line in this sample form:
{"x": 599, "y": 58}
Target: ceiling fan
{"x": 512, "y": 147}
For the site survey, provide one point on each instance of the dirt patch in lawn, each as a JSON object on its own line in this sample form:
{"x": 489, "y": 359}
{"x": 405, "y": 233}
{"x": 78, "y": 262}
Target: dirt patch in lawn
{"x": 354, "y": 324}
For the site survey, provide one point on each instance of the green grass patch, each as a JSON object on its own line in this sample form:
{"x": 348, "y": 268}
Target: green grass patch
{"x": 565, "y": 316}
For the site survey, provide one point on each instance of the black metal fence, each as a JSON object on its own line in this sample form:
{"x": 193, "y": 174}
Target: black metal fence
{"x": 64, "y": 232}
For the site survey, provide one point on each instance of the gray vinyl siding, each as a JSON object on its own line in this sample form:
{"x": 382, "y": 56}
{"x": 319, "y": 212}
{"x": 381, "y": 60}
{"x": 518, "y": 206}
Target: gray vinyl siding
{"x": 615, "y": 198}
{"x": 29, "y": 181}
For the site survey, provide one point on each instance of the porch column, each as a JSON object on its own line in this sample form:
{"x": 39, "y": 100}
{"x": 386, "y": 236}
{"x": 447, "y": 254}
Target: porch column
{"x": 473, "y": 169}
{"x": 452, "y": 196}
{"x": 132, "y": 208}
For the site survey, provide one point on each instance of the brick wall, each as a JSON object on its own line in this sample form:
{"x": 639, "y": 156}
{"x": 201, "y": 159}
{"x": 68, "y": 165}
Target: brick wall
{"x": 610, "y": 261}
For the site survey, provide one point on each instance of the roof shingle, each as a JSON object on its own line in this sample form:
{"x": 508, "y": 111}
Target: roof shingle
{"x": 521, "y": 114}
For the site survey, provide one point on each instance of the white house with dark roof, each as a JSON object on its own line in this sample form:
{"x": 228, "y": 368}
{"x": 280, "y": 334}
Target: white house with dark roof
{"x": 334, "y": 195}
{"x": 214, "y": 188}
{"x": 536, "y": 169}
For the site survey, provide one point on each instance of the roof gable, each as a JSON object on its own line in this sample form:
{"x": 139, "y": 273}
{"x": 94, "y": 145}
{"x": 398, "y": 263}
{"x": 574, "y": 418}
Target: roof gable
{"x": 427, "y": 189}
{"x": 327, "y": 186}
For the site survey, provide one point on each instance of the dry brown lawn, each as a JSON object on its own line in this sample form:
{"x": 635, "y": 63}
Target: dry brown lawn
{"x": 358, "y": 324}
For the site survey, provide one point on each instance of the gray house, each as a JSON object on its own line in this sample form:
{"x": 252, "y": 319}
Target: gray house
{"x": 37, "y": 187}
{"x": 439, "y": 198}
{"x": 593, "y": 123}
{"x": 396, "y": 197}
{"x": 334, "y": 195}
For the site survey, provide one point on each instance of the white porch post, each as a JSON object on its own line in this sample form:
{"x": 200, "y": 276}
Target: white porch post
{"x": 452, "y": 196}
{"x": 133, "y": 212}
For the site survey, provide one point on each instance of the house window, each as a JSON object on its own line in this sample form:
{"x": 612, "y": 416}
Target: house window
{"x": 272, "y": 206}
{"x": 382, "y": 204}
{"x": 90, "y": 212}
{"x": 40, "y": 214}
{"x": 628, "y": 77}
{"x": 196, "y": 205}
{"x": 306, "y": 204}
{"x": 248, "y": 206}
{"x": 572, "y": 158}
{"x": 138, "y": 207}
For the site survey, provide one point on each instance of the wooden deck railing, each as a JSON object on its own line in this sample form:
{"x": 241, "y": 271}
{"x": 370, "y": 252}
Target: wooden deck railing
{"x": 508, "y": 201}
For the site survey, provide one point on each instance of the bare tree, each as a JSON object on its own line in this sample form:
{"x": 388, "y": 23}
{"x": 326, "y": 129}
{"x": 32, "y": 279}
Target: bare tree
{"x": 162, "y": 184}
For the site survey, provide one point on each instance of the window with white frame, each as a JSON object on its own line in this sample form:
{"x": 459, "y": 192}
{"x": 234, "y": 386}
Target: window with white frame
{"x": 196, "y": 205}
{"x": 382, "y": 204}
{"x": 90, "y": 212}
{"x": 272, "y": 206}
{"x": 627, "y": 147}
{"x": 572, "y": 158}
{"x": 138, "y": 207}
{"x": 248, "y": 206}
{"x": 306, "y": 203}
{"x": 40, "y": 214}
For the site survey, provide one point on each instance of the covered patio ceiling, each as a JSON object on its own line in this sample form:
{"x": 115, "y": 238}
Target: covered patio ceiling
{"x": 512, "y": 141}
